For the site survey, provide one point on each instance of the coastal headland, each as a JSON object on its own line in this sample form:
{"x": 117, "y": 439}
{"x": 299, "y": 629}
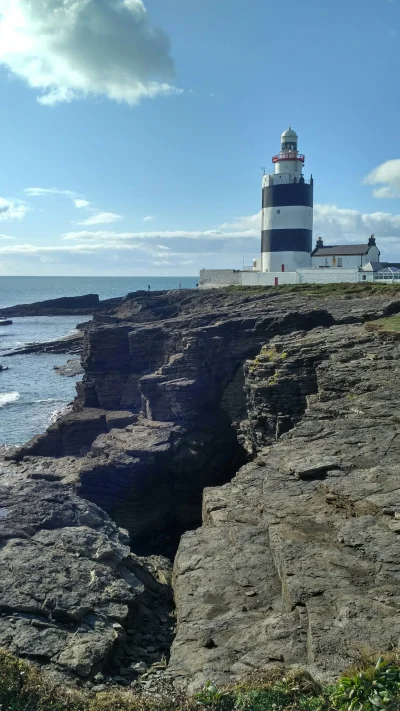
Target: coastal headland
{"x": 223, "y": 496}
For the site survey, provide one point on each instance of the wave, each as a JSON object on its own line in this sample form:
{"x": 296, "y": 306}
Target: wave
{"x": 9, "y": 398}
{"x": 56, "y": 414}
{"x": 47, "y": 399}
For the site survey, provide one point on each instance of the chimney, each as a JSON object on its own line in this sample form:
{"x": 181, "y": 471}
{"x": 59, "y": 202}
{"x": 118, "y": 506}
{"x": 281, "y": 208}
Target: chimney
{"x": 319, "y": 242}
{"x": 371, "y": 241}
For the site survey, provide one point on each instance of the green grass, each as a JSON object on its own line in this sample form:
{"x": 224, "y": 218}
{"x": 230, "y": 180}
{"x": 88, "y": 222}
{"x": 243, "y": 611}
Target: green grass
{"x": 391, "y": 323}
{"x": 340, "y": 290}
{"x": 366, "y": 688}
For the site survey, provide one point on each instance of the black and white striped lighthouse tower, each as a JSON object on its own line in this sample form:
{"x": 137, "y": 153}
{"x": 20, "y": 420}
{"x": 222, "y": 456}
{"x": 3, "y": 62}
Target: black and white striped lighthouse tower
{"x": 287, "y": 211}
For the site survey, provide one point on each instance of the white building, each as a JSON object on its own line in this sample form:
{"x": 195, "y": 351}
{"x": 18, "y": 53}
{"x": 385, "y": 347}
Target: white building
{"x": 345, "y": 255}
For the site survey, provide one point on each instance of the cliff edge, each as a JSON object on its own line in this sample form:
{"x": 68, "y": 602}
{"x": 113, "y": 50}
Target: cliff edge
{"x": 261, "y": 425}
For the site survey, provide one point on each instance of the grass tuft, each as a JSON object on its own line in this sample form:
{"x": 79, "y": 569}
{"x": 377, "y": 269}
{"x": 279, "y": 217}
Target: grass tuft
{"x": 341, "y": 290}
{"x": 366, "y": 687}
{"x": 391, "y": 323}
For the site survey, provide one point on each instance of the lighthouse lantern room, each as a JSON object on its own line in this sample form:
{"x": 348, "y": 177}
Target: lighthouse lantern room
{"x": 287, "y": 211}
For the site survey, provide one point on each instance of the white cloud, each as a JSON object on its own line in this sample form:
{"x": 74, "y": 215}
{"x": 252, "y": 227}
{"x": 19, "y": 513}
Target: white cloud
{"x": 177, "y": 234}
{"x": 387, "y": 175}
{"x": 345, "y": 225}
{"x": 42, "y": 192}
{"x": 191, "y": 250}
{"x": 250, "y": 222}
{"x": 71, "y": 49}
{"x": 96, "y": 218}
{"x": 12, "y": 210}
{"x": 338, "y": 225}
{"x": 81, "y": 203}
{"x": 32, "y": 249}
{"x": 101, "y": 218}
{"x": 6, "y": 237}
{"x": 149, "y": 218}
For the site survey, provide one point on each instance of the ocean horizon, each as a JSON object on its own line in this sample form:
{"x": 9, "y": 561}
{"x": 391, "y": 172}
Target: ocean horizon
{"x": 28, "y": 289}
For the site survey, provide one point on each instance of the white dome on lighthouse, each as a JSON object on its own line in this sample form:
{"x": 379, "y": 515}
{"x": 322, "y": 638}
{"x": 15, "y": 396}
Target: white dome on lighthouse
{"x": 289, "y": 133}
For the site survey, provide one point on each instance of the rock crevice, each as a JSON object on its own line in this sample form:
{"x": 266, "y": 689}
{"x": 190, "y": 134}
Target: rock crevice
{"x": 296, "y": 560}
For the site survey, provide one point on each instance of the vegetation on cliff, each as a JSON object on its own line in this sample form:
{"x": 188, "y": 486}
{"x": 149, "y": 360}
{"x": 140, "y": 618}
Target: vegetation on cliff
{"x": 391, "y": 323}
{"x": 339, "y": 289}
{"x": 368, "y": 688}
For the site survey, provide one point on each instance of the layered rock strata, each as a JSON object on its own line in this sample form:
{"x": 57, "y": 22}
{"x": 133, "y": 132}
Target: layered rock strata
{"x": 66, "y": 305}
{"x": 73, "y": 598}
{"x": 298, "y": 558}
{"x": 179, "y": 388}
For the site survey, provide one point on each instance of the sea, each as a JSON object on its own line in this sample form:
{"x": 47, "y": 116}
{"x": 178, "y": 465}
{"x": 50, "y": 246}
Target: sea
{"x": 32, "y": 394}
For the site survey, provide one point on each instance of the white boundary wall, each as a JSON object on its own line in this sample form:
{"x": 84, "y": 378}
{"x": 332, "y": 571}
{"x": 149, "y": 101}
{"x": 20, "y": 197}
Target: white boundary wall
{"x": 216, "y": 278}
{"x": 328, "y": 276}
{"x": 268, "y": 278}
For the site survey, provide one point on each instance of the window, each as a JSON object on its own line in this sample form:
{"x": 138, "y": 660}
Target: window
{"x": 364, "y": 276}
{"x": 326, "y": 262}
{"x": 340, "y": 261}
{"x": 278, "y": 212}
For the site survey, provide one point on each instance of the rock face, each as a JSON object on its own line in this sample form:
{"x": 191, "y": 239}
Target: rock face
{"x": 71, "y": 369}
{"x": 72, "y": 343}
{"x": 71, "y": 593}
{"x": 296, "y": 560}
{"x": 183, "y": 379}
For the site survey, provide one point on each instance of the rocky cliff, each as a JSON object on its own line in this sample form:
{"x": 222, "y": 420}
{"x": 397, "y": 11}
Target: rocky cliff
{"x": 285, "y": 405}
{"x": 298, "y": 558}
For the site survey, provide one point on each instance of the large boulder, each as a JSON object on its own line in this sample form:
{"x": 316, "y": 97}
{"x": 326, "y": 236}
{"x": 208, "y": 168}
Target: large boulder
{"x": 72, "y": 596}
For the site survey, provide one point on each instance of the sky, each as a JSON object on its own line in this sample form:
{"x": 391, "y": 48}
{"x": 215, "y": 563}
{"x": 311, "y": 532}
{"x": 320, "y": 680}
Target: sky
{"x": 134, "y": 132}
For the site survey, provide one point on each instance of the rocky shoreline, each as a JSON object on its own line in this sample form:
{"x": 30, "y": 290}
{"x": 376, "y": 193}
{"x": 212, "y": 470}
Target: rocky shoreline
{"x": 247, "y": 436}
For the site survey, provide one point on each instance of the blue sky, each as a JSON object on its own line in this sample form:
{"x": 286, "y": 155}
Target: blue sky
{"x": 133, "y": 133}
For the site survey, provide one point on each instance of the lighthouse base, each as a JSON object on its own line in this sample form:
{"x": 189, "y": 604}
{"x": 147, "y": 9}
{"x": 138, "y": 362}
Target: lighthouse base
{"x": 285, "y": 261}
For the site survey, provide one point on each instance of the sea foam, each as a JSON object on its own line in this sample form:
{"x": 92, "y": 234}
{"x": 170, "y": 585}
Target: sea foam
{"x": 8, "y": 398}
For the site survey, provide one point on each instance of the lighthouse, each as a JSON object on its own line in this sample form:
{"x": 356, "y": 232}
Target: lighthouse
{"x": 287, "y": 211}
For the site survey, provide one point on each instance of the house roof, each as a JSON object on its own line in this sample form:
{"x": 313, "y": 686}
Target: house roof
{"x": 340, "y": 250}
{"x": 372, "y": 267}
{"x": 390, "y": 264}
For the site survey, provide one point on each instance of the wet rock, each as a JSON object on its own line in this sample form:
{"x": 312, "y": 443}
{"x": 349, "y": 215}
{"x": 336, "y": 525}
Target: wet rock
{"x": 71, "y": 369}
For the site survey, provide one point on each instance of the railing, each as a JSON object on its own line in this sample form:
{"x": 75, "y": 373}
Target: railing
{"x": 288, "y": 155}
{"x": 300, "y": 180}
